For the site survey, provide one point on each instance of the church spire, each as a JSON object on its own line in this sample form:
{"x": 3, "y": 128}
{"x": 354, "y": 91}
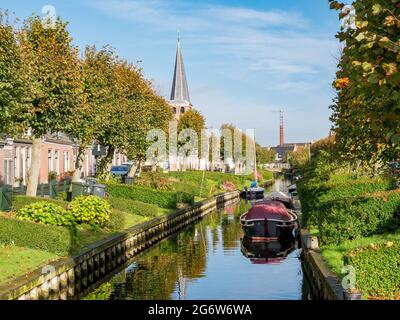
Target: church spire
{"x": 180, "y": 91}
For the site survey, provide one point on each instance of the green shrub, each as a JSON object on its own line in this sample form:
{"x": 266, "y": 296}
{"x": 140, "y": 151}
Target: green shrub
{"x": 164, "y": 199}
{"x": 116, "y": 221}
{"x": 58, "y": 240}
{"x": 47, "y": 213}
{"x": 353, "y": 218}
{"x": 91, "y": 210}
{"x": 134, "y": 207}
{"x": 377, "y": 270}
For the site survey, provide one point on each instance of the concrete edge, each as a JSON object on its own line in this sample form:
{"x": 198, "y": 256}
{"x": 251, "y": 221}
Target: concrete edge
{"x": 324, "y": 284}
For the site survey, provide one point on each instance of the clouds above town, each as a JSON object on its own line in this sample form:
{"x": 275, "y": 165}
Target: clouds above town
{"x": 252, "y": 58}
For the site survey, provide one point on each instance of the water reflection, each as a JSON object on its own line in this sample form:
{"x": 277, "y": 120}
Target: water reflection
{"x": 271, "y": 252}
{"x": 205, "y": 261}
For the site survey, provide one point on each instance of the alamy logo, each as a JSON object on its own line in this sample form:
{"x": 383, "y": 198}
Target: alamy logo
{"x": 226, "y": 146}
{"x": 349, "y": 280}
{"x": 49, "y": 16}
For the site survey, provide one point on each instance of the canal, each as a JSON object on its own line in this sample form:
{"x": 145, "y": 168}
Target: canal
{"x": 211, "y": 260}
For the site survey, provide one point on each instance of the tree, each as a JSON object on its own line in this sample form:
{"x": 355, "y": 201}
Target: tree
{"x": 11, "y": 84}
{"x": 144, "y": 111}
{"x": 51, "y": 75}
{"x": 298, "y": 157}
{"x": 366, "y": 111}
{"x": 102, "y": 97}
{"x": 264, "y": 155}
{"x": 192, "y": 119}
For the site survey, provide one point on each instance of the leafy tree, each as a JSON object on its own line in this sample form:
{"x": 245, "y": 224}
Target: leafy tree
{"x": 265, "y": 155}
{"x": 298, "y": 157}
{"x": 192, "y": 119}
{"x": 102, "y": 97}
{"x": 366, "y": 111}
{"x": 51, "y": 75}
{"x": 144, "y": 111}
{"x": 11, "y": 84}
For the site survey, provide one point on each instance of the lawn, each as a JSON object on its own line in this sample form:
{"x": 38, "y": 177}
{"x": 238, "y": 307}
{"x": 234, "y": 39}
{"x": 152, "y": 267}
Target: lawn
{"x": 376, "y": 260}
{"x": 15, "y": 261}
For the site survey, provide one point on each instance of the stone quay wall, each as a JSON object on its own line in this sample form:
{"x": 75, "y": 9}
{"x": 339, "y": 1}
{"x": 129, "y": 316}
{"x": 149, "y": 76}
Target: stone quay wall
{"x": 71, "y": 277}
{"x": 323, "y": 283}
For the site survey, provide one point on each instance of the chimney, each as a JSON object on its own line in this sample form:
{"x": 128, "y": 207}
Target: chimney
{"x": 281, "y": 132}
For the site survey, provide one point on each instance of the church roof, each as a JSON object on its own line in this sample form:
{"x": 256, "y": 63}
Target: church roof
{"x": 180, "y": 91}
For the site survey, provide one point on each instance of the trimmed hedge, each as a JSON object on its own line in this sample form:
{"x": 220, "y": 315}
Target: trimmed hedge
{"x": 21, "y": 201}
{"x": 353, "y": 218}
{"x": 313, "y": 194}
{"x": 134, "y": 207}
{"x": 164, "y": 199}
{"x": 58, "y": 240}
{"x": 377, "y": 270}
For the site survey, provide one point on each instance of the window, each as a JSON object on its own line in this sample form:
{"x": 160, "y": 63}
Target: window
{"x": 50, "y": 161}
{"x": 8, "y": 171}
{"x": 182, "y": 110}
{"x": 57, "y": 162}
{"x": 174, "y": 110}
{"x": 66, "y": 161}
{"x": 29, "y": 158}
{"x": 16, "y": 163}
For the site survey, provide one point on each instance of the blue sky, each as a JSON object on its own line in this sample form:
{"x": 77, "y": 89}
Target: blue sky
{"x": 243, "y": 59}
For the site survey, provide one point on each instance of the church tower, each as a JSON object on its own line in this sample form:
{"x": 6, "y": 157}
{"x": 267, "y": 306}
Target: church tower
{"x": 180, "y": 101}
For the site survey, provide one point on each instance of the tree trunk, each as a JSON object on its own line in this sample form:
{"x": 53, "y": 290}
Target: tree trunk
{"x": 33, "y": 178}
{"x": 105, "y": 164}
{"x": 78, "y": 164}
{"x": 134, "y": 169}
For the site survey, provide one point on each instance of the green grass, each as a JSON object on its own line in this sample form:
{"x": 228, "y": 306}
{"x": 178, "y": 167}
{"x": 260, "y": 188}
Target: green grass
{"x": 334, "y": 254}
{"x": 192, "y": 181}
{"x": 377, "y": 265}
{"x": 15, "y": 261}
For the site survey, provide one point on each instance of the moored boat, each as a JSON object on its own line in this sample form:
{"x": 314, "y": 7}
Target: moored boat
{"x": 269, "y": 220}
{"x": 252, "y": 193}
{"x": 282, "y": 197}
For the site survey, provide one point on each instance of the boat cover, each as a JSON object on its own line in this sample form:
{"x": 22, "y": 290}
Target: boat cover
{"x": 268, "y": 210}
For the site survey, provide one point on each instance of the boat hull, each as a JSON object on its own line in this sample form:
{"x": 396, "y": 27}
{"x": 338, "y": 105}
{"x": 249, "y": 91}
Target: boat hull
{"x": 267, "y": 230}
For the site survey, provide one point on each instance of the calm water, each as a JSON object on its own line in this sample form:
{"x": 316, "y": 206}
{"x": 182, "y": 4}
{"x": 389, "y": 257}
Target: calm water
{"x": 209, "y": 260}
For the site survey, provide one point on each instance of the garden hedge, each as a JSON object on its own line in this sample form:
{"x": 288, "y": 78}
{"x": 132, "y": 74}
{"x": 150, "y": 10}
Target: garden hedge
{"x": 353, "y": 218}
{"x": 313, "y": 194}
{"x": 58, "y": 240}
{"x": 162, "y": 198}
{"x": 21, "y": 201}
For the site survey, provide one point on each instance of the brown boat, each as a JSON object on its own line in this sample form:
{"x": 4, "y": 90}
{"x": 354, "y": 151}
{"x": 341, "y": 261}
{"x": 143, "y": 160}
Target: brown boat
{"x": 268, "y": 221}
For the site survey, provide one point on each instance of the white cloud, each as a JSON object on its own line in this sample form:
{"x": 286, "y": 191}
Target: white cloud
{"x": 265, "y": 50}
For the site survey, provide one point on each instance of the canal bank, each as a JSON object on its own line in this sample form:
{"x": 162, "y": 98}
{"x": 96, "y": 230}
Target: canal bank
{"x": 68, "y": 278}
